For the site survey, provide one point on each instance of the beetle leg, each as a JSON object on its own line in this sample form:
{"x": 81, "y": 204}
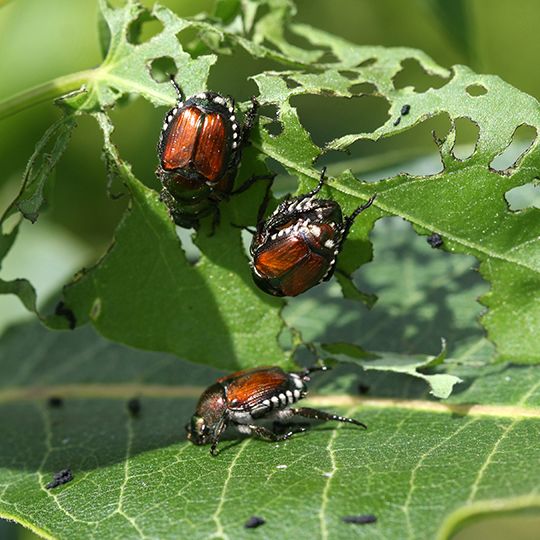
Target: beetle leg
{"x": 250, "y": 181}
{"x": 345, "y": 230}
{"x": 218, "y": 432}
{"x": 350, "y": 219}
{"x": 250, "y": 120}
{"x": 216, "y": 219}
{"x": 244, "y": 228}
{"x": 264, "y": 205}
{"x": 297, "y": 427}
{"x": 269, "y": 435}
{"x": 318, "y": 187}
{"x": 177, "y": 88}
{"x": 321, "y": 415}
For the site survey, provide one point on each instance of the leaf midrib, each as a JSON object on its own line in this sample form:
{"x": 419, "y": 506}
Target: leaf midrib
{"x": 393, "y": 211}
{"x": 124, "y": 391}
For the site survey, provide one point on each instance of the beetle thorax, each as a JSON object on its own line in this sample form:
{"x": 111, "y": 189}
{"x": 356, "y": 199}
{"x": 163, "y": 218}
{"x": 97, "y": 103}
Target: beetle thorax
{"x": 212, "y": 404}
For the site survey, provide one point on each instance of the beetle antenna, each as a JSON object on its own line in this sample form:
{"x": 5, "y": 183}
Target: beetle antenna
{"x": 176, "y": 87}
{"x": 350, "y": 219}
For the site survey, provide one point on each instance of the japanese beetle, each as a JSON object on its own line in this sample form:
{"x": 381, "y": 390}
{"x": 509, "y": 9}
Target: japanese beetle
{"x": 244, "y": 397}
{"x": 199, "y": 149}
{"x": 297, "y": 246}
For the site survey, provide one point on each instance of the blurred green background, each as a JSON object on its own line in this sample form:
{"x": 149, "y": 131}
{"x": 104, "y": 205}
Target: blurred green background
{"x": 43, "y": 40}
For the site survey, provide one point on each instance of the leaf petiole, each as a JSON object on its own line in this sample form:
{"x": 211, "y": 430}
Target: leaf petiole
{"x": 47, "y": 91}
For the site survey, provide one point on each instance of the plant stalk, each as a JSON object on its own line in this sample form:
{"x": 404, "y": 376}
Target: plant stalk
{"x": 47, "y": 91}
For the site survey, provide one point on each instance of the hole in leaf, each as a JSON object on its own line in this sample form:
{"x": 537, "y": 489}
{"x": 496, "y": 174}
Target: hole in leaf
{"x": 134, "y": 144}
{"x": 367, "y": 63}
{"x": 411, "y": 152}
{"x": 349, "y": 74}
{"x": 521, "y": 197}
{"x": 230, "y": 75}
{"x": 326, "y": 118}
{"x": 413, "y": 74}
{"x": 522, "y": 139}
{"x": 143, "y": 28}
{"x": 162, "y": 68}
{"x": 188, "y": 39}
{"x": 466, "y": 138}
{"x": 193, "y": 253}
{"x": 362, "y": 89}
{"x": 274, "y": 127}
{"x": 76, "y": 205}
{"x": 291, "y": 83}
{"x": 328, "y": 57}
{"x": 476, "y": 90}
{"x": 270, "y": 111}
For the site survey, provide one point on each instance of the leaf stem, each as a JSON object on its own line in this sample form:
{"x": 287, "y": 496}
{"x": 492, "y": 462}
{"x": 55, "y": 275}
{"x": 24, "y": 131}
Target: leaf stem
{"x": 44, "y": 92}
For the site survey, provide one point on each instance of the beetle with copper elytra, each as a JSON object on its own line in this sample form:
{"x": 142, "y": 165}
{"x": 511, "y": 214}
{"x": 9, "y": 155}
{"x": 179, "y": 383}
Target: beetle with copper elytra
{"x": 297, "y": 246}
{"x": 245, "y": 397}
{"x": 199, "y": 150}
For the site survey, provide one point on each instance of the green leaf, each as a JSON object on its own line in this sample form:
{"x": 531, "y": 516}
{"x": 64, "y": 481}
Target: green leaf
{"x": 465, "y": 203}
{"x": 139, "y": 477}
{"x": 31, "y": 199}
{"x": 441, "y": 384}
{"x": 125, "y": 69}
{"x": 176, "y": 296}
{"x": 49, "y": 150}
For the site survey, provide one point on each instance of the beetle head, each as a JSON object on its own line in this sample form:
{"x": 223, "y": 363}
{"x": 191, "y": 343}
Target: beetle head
{"x": 198, "y": 431}
{"x": 211, "y": 409}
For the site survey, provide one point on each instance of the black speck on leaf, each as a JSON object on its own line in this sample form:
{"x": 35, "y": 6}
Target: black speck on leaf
{"x": 405, "y": 110}
{"x": 134, "y": 406}
{"x": 397, "y": 120}
{"x": 63, "y": 311}
{"x": 362, "y": 519}
{"x": 253, "y": 522}
{"x": 363, "y": 389}
{"x": 60, "y": 478}
{"x": 55, "y": 402}
{"x": 435, "y": 240}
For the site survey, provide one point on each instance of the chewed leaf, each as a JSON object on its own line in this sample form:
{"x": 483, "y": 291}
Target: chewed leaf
{"x": 464, "y": 204}
{"x": 196, "y": 311}
{"x": 441, "y": 383}
{"x": 49, "y": 150}
{"x": 125, "y": 69}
